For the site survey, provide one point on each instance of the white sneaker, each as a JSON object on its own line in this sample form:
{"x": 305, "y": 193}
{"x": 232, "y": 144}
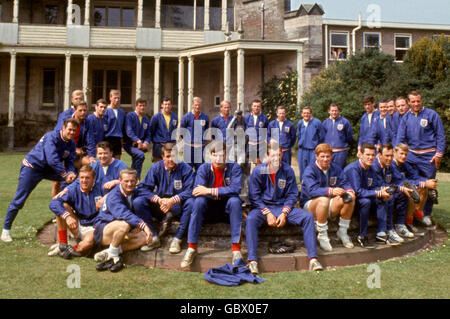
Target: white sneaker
{"x": 156, "y": 243}
{"x": 345, "y": 239}
{"x": 394, "y": 235}
{"x": 236, "y": 256}
{"x": 188, "y": 258}
{"x": 6, "y": 236}
{"x": 175, "y": 246}
{"x": 54, "y": 250}
{"x": 324, "y": 241}
{"x": 426, "y": 220}
{"x": 315, "y": 265}
{"x": 253, "y": 266}
{"x": 403, "y": 231}
{"x": 102, "y": 256}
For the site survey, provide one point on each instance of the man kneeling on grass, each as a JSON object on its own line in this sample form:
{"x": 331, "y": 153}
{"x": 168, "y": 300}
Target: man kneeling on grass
{"x": 76, "y": 208}
{"x": 118, "y": 226}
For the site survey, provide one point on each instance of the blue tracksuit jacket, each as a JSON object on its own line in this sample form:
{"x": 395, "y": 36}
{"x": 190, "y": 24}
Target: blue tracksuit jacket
{"x": 253, "y": 130}
{"x": 232, "y": 177}
{"x": 136, "y": 130}
{"x": 114, "y": 127}
{"x": 339, "y": 135}
{"x": 95, "y": 134}
{"x": 112, "y": 173}
{"x": 366, "y": 130}
{"x": 158, "y": 128}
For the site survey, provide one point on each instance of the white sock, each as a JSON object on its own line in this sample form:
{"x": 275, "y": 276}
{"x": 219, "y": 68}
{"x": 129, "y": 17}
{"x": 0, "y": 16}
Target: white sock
{"x": 322, "y": 227}
{"x": 6, "y": 232}
{"x": 344, "y": 224}
{"x": 113, "y": 251}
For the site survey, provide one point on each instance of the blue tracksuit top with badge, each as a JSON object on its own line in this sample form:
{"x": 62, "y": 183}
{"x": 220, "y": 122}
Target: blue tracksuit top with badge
{"x": 338, "y": 134}
{"x": 164, "y": 183}
{"x": 253, "y": 130}
{"x": 232, "y": 179}
{"x": 195, "y": 127}
{"x": 114, "y": 126}
{"x": 422, "y": 131}
{"x": 158, "y": 128}
{"x": 287, "y": 135}
{"x": 387, "y": 175}
{"x": 220, "y": 123}
{"x": 52, "y": 152}
{"x": 112, "y": 171}
{"x": 363, "y": 181}
{"x": 366, "y": 130}
{"x": 311, "y": 135}
{"x": 263, "y": 193}
{"x": 383, "y": 130}
{"x": 84, "y": 203}
{"x": 410, "y": 173}
{"x": 95, "y": 134}
{"x": 118, "y": 206}
{"x": 315, "y": 183}
{"x": 84, "y": 128}
{"x": 136, "y": 130}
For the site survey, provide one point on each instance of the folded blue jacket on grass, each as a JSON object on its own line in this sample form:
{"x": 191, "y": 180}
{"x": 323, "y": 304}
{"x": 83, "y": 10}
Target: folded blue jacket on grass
{"x": 229, "y": 275}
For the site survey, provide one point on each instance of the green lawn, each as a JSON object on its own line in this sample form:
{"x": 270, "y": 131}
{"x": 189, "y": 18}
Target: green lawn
{"x": 27, "y": 272}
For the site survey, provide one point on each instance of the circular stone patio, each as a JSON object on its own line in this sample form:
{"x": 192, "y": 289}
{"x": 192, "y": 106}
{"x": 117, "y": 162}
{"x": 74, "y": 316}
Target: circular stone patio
{"x": 214, "y": 248}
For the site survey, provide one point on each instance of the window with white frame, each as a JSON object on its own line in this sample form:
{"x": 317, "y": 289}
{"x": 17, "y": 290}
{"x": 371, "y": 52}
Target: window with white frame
{"x": 49, "y": 90}
{"x": 372, "y": 40}
{"x": 339, "y": 45}
{"x": 402, "y": 42}
{"x": 437, "y": 36}
{"x": 114, "y": 16}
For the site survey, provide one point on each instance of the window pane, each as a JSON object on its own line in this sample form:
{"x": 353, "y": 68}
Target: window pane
{"x": 215, "y": 18}
{"x": 99, "y": 16}
{"x": 180, "y": 17}
{"x": 339, "y": 39}
{"x": 114, "y": 17}
{"x": 128, "y": 17}
{"x": 125, "y": 87}
{"x": 0, "y": 12}
{"x": 400, "y": 55}
{"x": 51, "y": 14}
{"x": 230, "y": 18}
{"x": 111, "y": 81}
{"x": 97, "y": 85}
{"x": 48, "y": 95}
{"x": 372, "y": 40}
{"x": 402, "y": 42}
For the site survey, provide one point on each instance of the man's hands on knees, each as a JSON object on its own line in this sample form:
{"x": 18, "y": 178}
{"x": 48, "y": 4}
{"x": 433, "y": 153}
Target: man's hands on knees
{"x": 273, "y": 221}
{"x": 149, "y": 235}
{"x": 71, "y": 222}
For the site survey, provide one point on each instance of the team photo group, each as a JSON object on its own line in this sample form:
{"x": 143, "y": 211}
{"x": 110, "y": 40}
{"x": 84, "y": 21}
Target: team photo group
{"x": 235, "y": 167}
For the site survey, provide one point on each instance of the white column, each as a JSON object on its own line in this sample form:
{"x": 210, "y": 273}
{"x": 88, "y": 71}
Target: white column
{"x": 87, "y": 12}
{"x": 206, "y": 15}
{"x": 156, "y": 86}
{"x": 299, "y": 76}
{"x": 224, "y": 14}
{"x": 180, "y": 88}
{"x": 195, "y": 15}
{"x": 85, "y": 75}
{"x": 226, "y": 76}
{"x": 138, "y": 75}
{"x": 326, "y": 46}
{"x": 69, "y": 12}
{"x": 12, "y": 88}
{"x": 190, "y": 82}
{"x": 67, "y": 82}
{"x": 139, "y": 14}
{"x": 15, "y": 12}
{"x": 158, "y": 14}
{"x": 240, "y": 78}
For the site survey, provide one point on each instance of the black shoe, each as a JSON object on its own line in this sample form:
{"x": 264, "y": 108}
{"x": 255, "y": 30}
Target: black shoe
{"x": 416, "y": 231}
{"x": 364, "y": 242}
{"x": 433, "y": 195}
{"x": 105, "y": 265}
{"x": 415, "y": 193}
{"x": 118, "y": 266}
{"x": 165, "y": 224}
{"x": 67, "y": 252}
{"x": 382, "y": 238}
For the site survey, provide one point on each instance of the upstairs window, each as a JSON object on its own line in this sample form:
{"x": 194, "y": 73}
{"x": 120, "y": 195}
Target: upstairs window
{"x": 114, "y": 17}
{"x": 103, "y": 81}
{"x": 402, "y": 44}
{"x": 372, "y": 40}
{"x": 338, "y": 45}
{"x": 51, "y": 14}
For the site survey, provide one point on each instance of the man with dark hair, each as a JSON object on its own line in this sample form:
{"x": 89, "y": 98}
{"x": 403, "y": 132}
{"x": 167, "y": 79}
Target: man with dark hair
{"x": 162, "y": 127}
{"x": 282, "y": 131}
{"x": 51, "y": 158}
{"x": 165, "y": 193}
{"x": 137, "y": 138}
{"x": 383, "y": 129}
{"x": 223, "y": 124}
{"x": 255, "y": 123}
{"x": 216, "y": 191}
{"x": 423, "y": 131}
{"x": 273, "y": 194}
{"x": 368, "y": 123}
{"x": 96, "y": 131}
{"x": 114, "y": 121}
{"x": 310, "y": 133}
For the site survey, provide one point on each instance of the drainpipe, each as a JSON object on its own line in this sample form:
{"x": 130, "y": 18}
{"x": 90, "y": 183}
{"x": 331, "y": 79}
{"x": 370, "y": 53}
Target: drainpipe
{"x": 354, "y": 34}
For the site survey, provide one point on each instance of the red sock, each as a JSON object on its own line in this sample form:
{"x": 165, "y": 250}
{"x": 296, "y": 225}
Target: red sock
{"x": 75, "y": 247}
{"x": 62, "y": 234}
{"x": 418, "y": 214}
{"x": 193, "y": 246}
{"x": 236, "y": 247}
{"x": 409, "y": 220}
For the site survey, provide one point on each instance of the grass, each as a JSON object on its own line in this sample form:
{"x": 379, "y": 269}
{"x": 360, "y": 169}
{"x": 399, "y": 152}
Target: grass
{"x": 27, "y": 272}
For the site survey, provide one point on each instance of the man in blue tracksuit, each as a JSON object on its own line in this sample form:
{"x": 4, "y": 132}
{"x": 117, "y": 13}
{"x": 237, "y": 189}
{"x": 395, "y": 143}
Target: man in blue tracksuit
{"x": 114, "y": 123}
{"x": 363, "y": 180}
{"x": 324, "y": 188}
{"x": 51, "y": 158}
{"x": 273, "y": 194}
{"x": 255, "y": 124}
{"x": 107, "y": 168}
{"x": 76, "y": 208}
{"x": 115, "y": 224}
{"x": 77, "y": 96}
{"x": 96, "y": 130}
{"x": 162, "y": 127}
{"x": 383, "y": 128}
{"x": 195, "y": 124}
{"x": 216, "y": 190}
{"x": 283, "y": 132}
{"x": 338, "y": 134}
{"x": 422, "y": 130}
{"x": 368, "y": 123}
{"x": 166, "y": 192}
{"x": 219, "y": 126}
{"x": 310, "y": 133}
{"x": 137, "y": 137}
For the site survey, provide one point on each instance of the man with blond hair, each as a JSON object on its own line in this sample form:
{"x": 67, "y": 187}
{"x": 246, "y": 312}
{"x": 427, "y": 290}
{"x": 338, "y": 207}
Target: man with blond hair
{"x": 114, "y": 121}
